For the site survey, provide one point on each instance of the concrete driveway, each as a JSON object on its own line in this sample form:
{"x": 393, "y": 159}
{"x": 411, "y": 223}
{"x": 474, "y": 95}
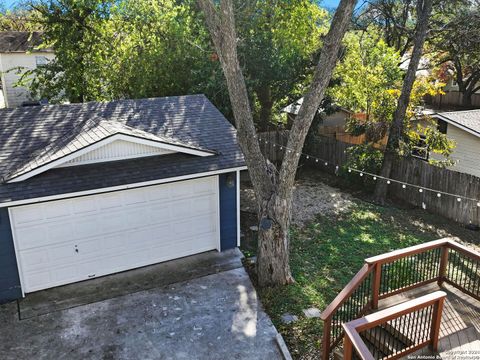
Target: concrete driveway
{"x": 217, "y": 316}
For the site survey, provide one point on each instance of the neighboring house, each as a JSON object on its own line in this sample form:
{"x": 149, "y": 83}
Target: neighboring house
{"x": 19, "y": 52}
{"x": 338, "y": 118}
{"x": 464, "y": 128}
{"x": 97, "y": 188}
{"x": 331, "y": 125}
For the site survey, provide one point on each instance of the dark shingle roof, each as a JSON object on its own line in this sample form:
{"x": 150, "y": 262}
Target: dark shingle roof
{"x": 20, "y": 41}
{"x": 33, "y": 133}
{"x": 469, "y": 119}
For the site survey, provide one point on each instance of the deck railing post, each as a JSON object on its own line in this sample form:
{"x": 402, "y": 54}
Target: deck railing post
{"x": 377, "y": 272}
{"x": 442, "y": 271}
{"x": 327, "y": 324}
{"x": 347, "y": 348}
{"x": 436, "y": 321}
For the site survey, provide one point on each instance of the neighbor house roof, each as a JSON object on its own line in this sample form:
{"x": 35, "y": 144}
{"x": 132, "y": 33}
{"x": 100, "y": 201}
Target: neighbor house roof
{"x": 33, "y": 137}
{"x": 468, "y": 120}
{"x": 294, "y": 108}
{"x": 21, "y": 41}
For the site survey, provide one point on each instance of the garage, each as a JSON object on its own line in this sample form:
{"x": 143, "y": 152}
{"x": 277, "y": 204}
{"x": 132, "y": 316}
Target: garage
{"x": 88, "y": 190}
{"x": 64, "y": 241}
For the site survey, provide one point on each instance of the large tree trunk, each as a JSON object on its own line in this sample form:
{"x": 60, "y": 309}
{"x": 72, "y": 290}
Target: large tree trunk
{"x": 264, "y": 95}
{"x": 273, "y": 265}
{"x": 467, "y": 99}
{"x": 424, "y": 9}
{"x": 273, "y": 189}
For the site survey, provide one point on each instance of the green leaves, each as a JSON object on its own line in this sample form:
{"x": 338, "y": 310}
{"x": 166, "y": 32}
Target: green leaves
{"x": 368, "y": 75}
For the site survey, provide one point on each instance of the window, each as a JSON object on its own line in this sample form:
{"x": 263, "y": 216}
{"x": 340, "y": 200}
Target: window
{"x": 41, "y": 60}
{"x": 442, "y": 126}
{"x": 420, "y": 151}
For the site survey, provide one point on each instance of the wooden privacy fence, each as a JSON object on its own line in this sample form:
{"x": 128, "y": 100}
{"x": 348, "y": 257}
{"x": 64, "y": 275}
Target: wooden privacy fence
{"x": 409, "y": 170}
{"x": 271, "y": 143}
{"x": 451, "y": 99}
{"x": 418, "y": 172}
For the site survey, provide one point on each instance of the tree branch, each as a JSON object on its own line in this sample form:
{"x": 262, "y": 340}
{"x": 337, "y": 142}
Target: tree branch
{"x": 314, "y": 96}
{"x": 221, "y": 24}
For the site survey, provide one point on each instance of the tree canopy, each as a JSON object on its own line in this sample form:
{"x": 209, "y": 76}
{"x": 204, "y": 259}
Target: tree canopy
{"x": 109, "y": 49}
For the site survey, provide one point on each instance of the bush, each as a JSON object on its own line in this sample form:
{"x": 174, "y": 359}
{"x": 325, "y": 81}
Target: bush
{"x": 364, "y": 158}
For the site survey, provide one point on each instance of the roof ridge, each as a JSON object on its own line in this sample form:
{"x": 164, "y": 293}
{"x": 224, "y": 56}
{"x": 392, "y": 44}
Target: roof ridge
{"x": 44, "y": 155}
{"x": 52, "y": 147}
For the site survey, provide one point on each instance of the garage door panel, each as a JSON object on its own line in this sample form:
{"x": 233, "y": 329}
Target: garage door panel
{"x": 204, "y": 187}
{"x": 109, "y": 201}
{"x": 114, "y": 232}
{"x": 117, "y": 242}
{"x": 108, "y": 224}
{"x": 59, "y": 232}
{"x": 27, "y": 214}
{"x": 57, "y": 209}
{"x": 88, "y": 226}
{"x": 32, "y": 236}
{"x": 84, "y": 205}
{"x": 160, "y": 193}
{"x": 182, "y": 189}
{"x": 160, "y": 214}
{"x": 41, "y": 277}
{"x": 138, "y": 218}
{"x": 203, "y": 204}
{"x": 134, "y": 197}
{"x": 34, "y": 259}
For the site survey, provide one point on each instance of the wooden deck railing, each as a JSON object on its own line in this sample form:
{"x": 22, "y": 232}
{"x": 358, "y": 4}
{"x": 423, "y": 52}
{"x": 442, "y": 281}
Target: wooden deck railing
{"x": 395, "y": 272}
{"x": 419, "y": 318}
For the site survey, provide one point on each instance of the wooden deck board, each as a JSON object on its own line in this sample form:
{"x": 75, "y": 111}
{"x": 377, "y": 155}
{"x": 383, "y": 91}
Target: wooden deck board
{"x": 460, "y": 327}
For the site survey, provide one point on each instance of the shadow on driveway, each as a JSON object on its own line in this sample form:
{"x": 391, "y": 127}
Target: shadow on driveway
{"x": 212, "y": 317}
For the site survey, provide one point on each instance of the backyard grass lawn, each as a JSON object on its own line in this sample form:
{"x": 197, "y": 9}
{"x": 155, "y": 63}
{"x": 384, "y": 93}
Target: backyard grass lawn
{"x": 324, "y": 257}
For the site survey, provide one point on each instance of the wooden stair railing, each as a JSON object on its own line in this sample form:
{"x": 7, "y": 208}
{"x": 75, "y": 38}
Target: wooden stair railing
{"x": 395, "y": 272}
{"x": 420, "y": 318}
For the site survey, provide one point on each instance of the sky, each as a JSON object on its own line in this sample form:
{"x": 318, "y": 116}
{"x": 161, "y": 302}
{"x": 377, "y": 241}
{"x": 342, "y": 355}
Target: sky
{"x": 7, "y": 3}
{"x": 325, "y": 3}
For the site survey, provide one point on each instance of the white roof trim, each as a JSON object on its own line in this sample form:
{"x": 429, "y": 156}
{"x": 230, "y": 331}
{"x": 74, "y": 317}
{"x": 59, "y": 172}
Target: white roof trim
{"x": 454, "y": 123}
{"x": 103, "y": 142}
{"x": 119, "y": 187}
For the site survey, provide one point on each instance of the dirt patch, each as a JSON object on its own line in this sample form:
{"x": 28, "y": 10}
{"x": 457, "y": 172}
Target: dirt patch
{"x": 310, "y": 198}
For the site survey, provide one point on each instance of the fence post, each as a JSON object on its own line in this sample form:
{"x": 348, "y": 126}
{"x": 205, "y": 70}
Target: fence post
{"x": 436, "y": 321}
{"x": 377, "y": 272}
{"x": 327, "y": 324}
{"x": 347, "y": 348}
{"x": 443, "y": 265}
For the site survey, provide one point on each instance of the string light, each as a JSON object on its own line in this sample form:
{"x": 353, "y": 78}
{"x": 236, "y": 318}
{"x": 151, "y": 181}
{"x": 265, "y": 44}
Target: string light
{"x": 375, "y": 177}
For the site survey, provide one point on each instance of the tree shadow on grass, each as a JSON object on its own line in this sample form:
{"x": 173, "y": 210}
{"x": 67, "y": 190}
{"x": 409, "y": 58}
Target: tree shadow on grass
{"x": 325, "y": 255}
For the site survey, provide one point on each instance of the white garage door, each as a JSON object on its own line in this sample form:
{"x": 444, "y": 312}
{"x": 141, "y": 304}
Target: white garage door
{"x": 64, "y": 241}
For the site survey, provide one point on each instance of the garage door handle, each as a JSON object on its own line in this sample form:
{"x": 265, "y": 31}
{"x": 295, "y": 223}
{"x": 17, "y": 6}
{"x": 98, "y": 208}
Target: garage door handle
{"x": 76, "y": 250}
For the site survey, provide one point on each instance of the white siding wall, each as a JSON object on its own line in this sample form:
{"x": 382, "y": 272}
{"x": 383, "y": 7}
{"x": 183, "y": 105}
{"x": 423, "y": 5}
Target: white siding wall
{"x": 117, "y": 150}
{"x": 14, "y": 96}
{"x": 338, "y": 118}
{"x": 466, "y": 153}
